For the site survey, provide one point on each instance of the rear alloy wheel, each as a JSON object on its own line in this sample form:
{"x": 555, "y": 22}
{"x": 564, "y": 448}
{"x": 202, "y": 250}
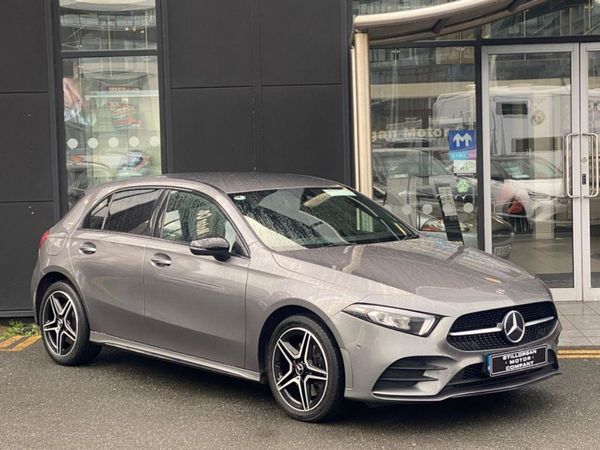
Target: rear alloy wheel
{"x": 64, "y": 325}
{"x": 304, "y": 370}
{"x": 60, "y": 323}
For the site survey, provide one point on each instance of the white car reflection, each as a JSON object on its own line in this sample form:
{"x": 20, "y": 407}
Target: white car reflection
{"x": 528, "y": 188}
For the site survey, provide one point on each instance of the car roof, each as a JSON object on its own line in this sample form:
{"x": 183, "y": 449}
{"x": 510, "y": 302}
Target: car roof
{"x": 233, "y": 182}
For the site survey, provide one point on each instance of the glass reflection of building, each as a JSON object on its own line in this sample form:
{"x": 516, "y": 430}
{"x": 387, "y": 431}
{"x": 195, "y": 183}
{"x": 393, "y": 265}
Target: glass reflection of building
{"x": 423, "y": 93}
{"x": 110, "y": 92}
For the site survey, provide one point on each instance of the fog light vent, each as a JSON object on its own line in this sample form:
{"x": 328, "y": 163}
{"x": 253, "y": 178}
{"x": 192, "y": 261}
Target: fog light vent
{"x": 405, "y": 373}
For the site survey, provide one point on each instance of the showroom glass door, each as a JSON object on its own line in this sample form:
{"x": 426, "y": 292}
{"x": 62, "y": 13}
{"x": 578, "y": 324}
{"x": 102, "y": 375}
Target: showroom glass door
{"x": 537, "y": 161}
{"x": 590, "y": 128}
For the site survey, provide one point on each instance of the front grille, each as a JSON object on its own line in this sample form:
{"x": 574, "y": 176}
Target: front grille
{"x": 502, "y": 235}
{"x": 405, "y": 373}
{"x": 492, "y": 318}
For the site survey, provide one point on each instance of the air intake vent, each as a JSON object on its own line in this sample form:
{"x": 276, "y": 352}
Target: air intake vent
{"x": 405, "y": 373}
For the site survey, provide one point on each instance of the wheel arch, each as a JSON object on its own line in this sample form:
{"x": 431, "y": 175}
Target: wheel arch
{"x": 48, "y": 279}
{"x": 281, "y": 313}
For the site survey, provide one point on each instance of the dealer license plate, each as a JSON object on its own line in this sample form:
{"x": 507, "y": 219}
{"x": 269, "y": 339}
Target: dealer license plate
{"x": 503, "y": 250}
{"x": 517, "y": 361}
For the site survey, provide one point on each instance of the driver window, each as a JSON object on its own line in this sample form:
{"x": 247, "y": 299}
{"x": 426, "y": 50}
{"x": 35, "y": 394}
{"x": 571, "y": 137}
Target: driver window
{"x": 189, "y": 216}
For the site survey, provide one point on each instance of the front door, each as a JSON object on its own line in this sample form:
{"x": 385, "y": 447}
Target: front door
{"x": 195, "y": 304}
{"x": 541, "y": 166}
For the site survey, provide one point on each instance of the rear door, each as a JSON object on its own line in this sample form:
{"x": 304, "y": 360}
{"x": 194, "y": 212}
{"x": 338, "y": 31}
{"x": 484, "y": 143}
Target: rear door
{"x": 107, "y": 253}
{"x": 195, "y": 304}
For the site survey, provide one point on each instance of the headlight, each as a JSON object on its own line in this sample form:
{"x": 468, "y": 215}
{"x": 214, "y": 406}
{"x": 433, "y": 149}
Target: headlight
{"x": 412, "y": 322}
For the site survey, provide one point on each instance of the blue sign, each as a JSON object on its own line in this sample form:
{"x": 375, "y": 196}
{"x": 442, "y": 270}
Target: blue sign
{"x": 462, "y": 141}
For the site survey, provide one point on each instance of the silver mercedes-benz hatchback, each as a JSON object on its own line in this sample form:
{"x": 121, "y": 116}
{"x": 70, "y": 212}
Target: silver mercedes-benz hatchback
{"x": 292, "y": 280}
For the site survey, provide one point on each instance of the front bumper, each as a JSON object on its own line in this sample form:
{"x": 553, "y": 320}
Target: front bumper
{"x": 434, "y": 369}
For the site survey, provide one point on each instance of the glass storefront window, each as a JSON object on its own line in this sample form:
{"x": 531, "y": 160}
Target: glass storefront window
{"x": 112, "y": 122}
{"x": 108, "y": 24}
{"x": 529, "y": 111}
{"x": 424, "y": 138}
{"x": 551, "y": 18}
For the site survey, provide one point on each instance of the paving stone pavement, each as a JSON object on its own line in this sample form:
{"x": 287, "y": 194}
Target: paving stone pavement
{"x": 581, "y": 323}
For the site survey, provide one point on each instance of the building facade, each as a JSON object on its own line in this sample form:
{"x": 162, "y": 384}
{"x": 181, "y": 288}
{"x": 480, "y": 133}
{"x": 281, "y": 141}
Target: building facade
{"x": 486, "y": 135}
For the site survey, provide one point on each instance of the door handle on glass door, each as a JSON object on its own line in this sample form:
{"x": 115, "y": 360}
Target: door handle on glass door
{"x": 161, "y": 260}
{"x": 595, "y": 163}
{"x": 567, "y": 143}
{"x": 87, "y": 248}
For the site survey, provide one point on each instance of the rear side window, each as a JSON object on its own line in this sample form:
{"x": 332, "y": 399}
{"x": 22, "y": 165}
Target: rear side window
{"x": 130, "y": 211}
{"x": 95, "y": 218}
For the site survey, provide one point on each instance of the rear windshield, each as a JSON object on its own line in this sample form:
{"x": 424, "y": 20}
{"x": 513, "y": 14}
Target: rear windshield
{"x": 292, "y": 219}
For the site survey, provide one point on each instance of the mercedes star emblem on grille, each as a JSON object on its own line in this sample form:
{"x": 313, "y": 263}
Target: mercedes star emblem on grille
{"x": 514, "y": 326}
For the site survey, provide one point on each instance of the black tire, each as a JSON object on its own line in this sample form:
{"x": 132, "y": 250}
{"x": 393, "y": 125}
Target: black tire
{"x": 321, "y": 354}
{"x": 58, "y": 328}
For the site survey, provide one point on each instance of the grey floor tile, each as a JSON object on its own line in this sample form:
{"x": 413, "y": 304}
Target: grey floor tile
{"x": 566, "y": 324}
{"x": 594, "y": 306}
{"x": 594, "y": 340}
{"x": 594, "y": 333}
{"x": 571, "y": 334}
{"x": 574, "y": 308}
{"x": 585, "y": 322}
{"x": 573, "y": 342}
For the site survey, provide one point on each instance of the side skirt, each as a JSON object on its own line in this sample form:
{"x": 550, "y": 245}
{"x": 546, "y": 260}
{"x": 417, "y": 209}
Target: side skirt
{"x": 168, "y": 355}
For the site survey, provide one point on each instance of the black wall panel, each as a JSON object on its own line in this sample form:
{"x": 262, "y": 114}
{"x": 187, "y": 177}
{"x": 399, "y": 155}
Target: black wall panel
{"x": 303, "y": 130}
{"x": 212, "y": 129}
{"x": 280, "y": 67}
{"x": 210, "y": 43}
{"x": 25, "y": 172}
{"x": 300, "y": 41}
{"x": 21, "y": 227}
{"x": 23, "y": 62}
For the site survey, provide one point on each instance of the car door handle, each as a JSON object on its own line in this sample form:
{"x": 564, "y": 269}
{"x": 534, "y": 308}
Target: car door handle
{"x": 87, "y": 248}
{"x": 161, "y": 260}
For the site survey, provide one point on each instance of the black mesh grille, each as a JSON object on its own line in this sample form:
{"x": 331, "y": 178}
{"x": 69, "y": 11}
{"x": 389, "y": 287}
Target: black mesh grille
{"x": 491, "y": 319}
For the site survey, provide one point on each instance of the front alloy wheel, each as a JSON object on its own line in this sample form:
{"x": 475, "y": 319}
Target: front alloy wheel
{"x": 305, "y": 371}
{"x": 300, "y": 369}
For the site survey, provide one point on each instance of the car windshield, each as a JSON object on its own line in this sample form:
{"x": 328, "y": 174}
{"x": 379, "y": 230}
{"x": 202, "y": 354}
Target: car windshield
{"x": 293, "y": 219}
{"x": 529, "y": 168}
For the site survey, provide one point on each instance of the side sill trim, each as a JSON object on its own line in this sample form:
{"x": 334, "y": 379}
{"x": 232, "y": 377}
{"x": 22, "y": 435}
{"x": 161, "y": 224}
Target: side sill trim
{"x": 168, "y": 355}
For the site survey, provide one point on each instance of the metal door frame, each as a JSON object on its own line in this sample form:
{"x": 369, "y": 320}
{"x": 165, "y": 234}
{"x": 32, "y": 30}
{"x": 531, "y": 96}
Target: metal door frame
{"x": 564, "y": 294}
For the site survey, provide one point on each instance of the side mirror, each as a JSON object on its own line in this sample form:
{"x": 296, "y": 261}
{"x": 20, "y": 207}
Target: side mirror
{"x": 217, "y": 247}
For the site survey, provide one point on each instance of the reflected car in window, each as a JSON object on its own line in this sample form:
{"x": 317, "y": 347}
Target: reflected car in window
{"x": 406, "y": 181}
{"x": 83, "y": 175}
{"x": 298, "y": 282}
{"x": 529, "y": 188}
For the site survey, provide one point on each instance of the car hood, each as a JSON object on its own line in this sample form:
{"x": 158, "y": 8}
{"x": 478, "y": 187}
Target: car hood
{"x": 427, "y": 268}
{"x": 551, "y": 186}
